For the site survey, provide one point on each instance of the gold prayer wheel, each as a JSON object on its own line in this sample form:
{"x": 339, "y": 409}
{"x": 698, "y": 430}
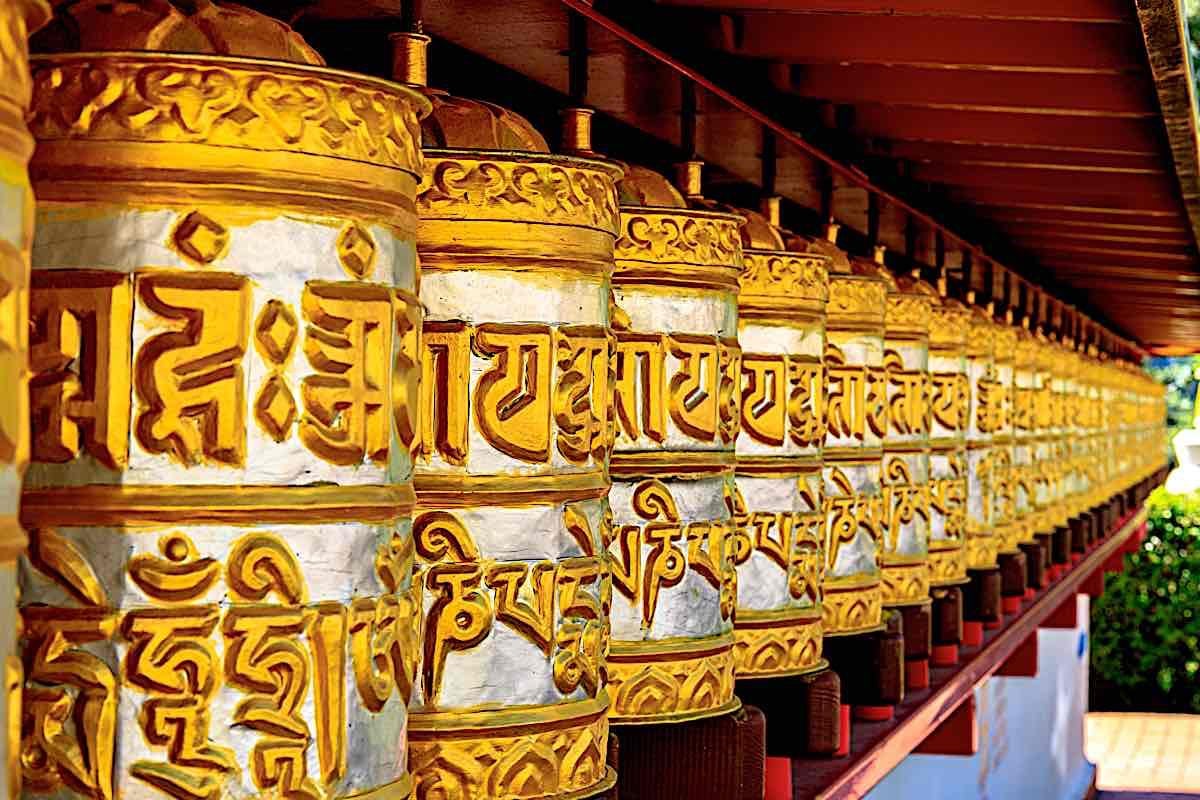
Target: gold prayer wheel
{"x": 1024, "y": 469}
{"x": 856, "y": 421}
{"x": 986, "y": 451}
{"x": 512, "y": 522}
{"x": 677, "y": 378}
{"x": 949, "y": 404}
{"x": 777, "y": 508}
{"x": 904, "y": 554}
{"x": 17, "y": 19}
{"x": 1005, "y": 470}
{"x": 1045, "y": 467}
{"x": 216, "y": 601}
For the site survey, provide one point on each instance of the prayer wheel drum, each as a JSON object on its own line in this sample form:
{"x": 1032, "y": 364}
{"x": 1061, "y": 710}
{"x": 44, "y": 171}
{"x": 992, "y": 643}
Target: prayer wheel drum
{"x": 677, "y": 382}
{"x": 778, "y": 516}
{"x": 216, "y": 599}
{"x": 949, "y": 402}
{"x": 512, "y": 522}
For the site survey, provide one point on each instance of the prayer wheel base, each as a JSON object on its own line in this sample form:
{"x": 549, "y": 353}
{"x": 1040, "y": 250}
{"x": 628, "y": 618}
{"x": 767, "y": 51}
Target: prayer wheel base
{"x": 918, "y": 641}
{"x": 1060, "y": 547}
{"x": 1014, "y": 574}
{"x": 658, "y": 761}
{"x": 1035, "y": 565}
{"x": 981, "y": 597}
{"x": 1078, "y": 527}
{"x": 947, "y": 620}
{"x": 870, "y": 665}
{"x": 802, "y": 712}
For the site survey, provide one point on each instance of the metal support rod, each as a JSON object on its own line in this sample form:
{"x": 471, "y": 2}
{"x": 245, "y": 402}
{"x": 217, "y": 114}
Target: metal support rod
{"x": 577, "y": 58}
{"x": 769, "y": 161}
{"x": 687, "y": 117}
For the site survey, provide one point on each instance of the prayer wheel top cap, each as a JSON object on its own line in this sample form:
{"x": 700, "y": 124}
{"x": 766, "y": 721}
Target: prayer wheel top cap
{"x": 646, "y": 188}
{"x": 204, "y": 27}
{"x": 758, "y": 233}
{"x": 461, "y": 123}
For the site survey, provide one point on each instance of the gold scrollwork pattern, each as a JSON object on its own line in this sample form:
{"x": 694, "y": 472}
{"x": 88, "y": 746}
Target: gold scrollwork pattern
{"x": 678, "y": 236}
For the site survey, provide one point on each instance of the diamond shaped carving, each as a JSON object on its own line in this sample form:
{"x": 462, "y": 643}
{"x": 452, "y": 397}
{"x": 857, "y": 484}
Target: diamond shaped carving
{"x": 275, "y": 409}
{"x": 356, "y": 250}
{"x": 275, "y": 332}
{"x": 201, "y": 238}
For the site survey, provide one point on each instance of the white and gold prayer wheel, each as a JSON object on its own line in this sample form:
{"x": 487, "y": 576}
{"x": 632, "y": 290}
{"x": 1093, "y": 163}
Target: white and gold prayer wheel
{"x": 216, "y": 600}
{"x": 779, "y": 520}
{"x": 17, "y": 19}
{"x": 856, "y": 412}
{"x": 1006, "y": 470}
{"x": 511, "y": 525}
{"x": 1045, "y": 468}
{"x": 677, "y": 382}
{"x": 949, "y": 405}
{"x": 1024, "y": 469}
{"x": 987, "y": 452}
{"x": 904, "y": 554}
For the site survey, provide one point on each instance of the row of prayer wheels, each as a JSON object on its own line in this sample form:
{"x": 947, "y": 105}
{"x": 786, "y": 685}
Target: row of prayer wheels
{"x": 375, "y": 451}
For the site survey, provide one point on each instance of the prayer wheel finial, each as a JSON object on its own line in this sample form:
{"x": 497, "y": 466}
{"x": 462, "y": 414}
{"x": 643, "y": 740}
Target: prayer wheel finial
{"x": 410, "y": 58}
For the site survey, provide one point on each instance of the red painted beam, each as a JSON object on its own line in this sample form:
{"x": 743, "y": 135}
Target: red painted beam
{"x": 837, "y": 38}
{"x": 958, "y": 735}
{"x": 1066, "y": 616}
{"x": 1077, "y": 10}
{"x": 1042, "y": 92}
{"x": 1023, "y": 663}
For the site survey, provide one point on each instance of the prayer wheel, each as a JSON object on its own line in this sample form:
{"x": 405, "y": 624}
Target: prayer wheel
{"x": 17, "y": 19}
{"x": 1006, "y": 474}
{"x": 776, "y": 503}
{"x": 855, "y": 423}
{"x": 949, "y": 402}
{"x": 1024, "y": 470}
{"x": 1045, "y": 467}
{"x": 987, "y": 458}
{"x": 216, "y": 600}
{"x": 512, "y": 522}
{"x": 677, "y": 377}
{"x": 904, "y": 554}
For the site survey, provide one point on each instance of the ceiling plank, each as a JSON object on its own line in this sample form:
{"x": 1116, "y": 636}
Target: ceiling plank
{"x": 1029, "y": 233}
{"x": 990, "y": 127}
{"x": 1081, "y": 181}
{"x": 1066, "y": 271}
{"x": 1038, "y": 92}
{"x": 997, "y": 154}
{"x": 1064, "y": 198}
{"x": 867, "y": 39}
{"x": 1078, "y": 10}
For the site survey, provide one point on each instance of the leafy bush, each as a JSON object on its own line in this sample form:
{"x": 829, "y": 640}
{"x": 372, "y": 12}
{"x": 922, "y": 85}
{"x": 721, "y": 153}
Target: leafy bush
{"x": 1146, "y": 625}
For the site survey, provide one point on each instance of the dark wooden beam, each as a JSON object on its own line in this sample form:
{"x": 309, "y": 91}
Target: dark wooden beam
{"x": 981, "y": 90}
{"x": 1063, "y": 198}
{"x": 1000, "y": 154}
{"x": 867, "y": 39}
{"x": 1078, "y": 10}
{"x": 1050, "y": 233}
{"x": 989, "y": 127}
{"x": 1125, "y": 271}
{"x": 1080, "y": 181}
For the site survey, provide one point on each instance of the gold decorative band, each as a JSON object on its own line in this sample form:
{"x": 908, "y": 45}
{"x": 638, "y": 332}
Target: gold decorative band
{"x": 982, "y": 550}
{"x": 461, "y": 491}
{"x": 905, "y": 584}
{"x": 671, "y": 680}
{"x": 852, "y": 609}
{"x": 678, "y": 463}
{"x": 778, "y": 466}
{"x": 846, "y": 456}
{"x": 775, "y": 646}
{"x": 545, "y": 752}
{"x": 529, "y": 188}
{"x": 151, "y": 505}
{"x": 721, "y": 278}
{"x": 774, "y": 281}
{"x": 947, "y": 564}
{"x": 677, "y": 240}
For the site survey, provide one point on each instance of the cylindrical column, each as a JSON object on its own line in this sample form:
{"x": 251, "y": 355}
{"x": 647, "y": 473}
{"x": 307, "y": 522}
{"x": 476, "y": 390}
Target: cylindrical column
{"x": 904, "y": 555}
{"x": 17, "y": 19}
{"x": 777, "y": 502}
{"x": 986, "y": 461}
{"x": 1024, "y": 484}
{"x": 512, "y": 522}
{"x": 216, "y": 600}
{"x": 949, "y": 392}
{"x": 856, "y": 412}
{"x": 677, "y": 418}
{"x": 1046, "y": 468}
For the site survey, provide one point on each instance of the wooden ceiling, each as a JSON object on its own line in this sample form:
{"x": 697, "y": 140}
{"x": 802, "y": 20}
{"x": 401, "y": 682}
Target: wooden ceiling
{"x": 1042, "y": 117}
{"x": 1055, "y": 138}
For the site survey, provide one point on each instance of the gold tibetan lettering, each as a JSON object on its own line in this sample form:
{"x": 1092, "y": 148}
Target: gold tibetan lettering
{"x": 581, "y": 393}
{"x": 640, "y": 386}
{"x": 79, "y": 359}
{"x": 460, "y": 618}
{"x": 406, "y": 371}
{"x": 445, "y": 375}
{"x": 845, "y": 405}
{"x": 533, "y": 618}
{"x": 512, "y": 399}
{"x": 189, "y": 380}
{"x": 764, "y": 410}
{"x": 806, "y": 406}
{"x": 348, "y": 343}
{"x": 693, "y": 397}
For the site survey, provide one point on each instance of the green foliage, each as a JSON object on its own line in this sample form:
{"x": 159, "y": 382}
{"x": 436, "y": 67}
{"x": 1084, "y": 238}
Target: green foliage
{"x": 1146, "y": 625}
{"x": 1179, "y": 374}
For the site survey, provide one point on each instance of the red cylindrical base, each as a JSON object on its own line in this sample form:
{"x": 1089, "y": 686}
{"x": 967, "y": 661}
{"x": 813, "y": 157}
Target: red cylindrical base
{"x": 874, "y": 713}
{"x": 1010, "y": 605}
{"x": 973, "y": 634}
{"x": 843, "y": 731}
{"x": 994, "y": 625}
{"x": 944, "y": 655}
{"x": 1030, "y": 593}
{"x": 779, "y": 778}
{"x": 1076, "y": 558}
{"x": 916, "y": 674}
